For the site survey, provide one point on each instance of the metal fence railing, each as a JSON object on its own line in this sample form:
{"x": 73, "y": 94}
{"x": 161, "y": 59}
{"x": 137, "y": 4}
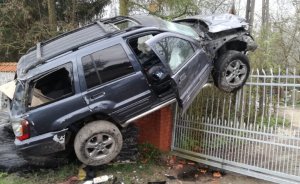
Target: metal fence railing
{"x": 255, "y": 131}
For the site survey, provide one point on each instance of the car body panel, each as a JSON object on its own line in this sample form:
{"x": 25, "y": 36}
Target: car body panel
{"x": 44, "y": 144}
{"x": 191, "y": 77}
{"x": 218, "y": 23}
{"x": 117, "y": 98}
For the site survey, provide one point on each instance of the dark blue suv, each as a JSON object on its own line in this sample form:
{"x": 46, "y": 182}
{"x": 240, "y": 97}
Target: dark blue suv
{"x": 80, "y": 88}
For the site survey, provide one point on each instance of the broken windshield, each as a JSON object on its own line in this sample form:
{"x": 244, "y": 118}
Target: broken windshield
{"x": 181, "y": 29}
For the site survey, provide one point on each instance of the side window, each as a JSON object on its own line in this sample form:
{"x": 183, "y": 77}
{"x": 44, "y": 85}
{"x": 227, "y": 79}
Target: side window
{"x": 50, "y": 88}
{"x": 106, "y": 65}
{"x": 175, "y": 51}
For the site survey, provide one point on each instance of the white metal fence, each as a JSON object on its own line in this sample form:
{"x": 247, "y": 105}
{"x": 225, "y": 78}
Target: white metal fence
{"x": 4, "y": 78}
{"x": 255, "y": 131}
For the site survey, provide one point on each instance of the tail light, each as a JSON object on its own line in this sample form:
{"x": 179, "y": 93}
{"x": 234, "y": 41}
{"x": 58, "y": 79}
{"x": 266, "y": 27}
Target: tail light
{"x": 21, "y": 130}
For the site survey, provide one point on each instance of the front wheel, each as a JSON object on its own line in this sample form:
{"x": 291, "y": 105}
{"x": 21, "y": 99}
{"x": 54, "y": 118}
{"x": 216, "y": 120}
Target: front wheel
{"x": 231, "y": 71}
{"x": 98, "y": 143}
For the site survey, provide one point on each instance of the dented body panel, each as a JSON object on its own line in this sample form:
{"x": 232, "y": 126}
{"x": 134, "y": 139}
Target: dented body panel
{"x": 221, "y": 32}
{"x": 43, "y": 144}
{"x": 218, "y": 23}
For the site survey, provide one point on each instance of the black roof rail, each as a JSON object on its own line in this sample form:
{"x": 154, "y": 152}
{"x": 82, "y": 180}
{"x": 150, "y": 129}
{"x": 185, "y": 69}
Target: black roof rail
{"x": 111, "y": 19}
{"x": 104, "y": 27}
{"x": 133, "y": 28}
{"x": 61, "y": 35}
{"x": 118, "y": 18}
{"x": 42, "y": 60}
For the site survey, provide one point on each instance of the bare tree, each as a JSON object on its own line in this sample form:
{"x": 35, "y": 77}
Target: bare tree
{"x": 52, "y": 14}
{"x": 250, "y": 13}
{"x": 73, "y": 15}
{"x": 124, "y": 7}
{"x": 232, "y": 9}
{"x": 265, "y": 14}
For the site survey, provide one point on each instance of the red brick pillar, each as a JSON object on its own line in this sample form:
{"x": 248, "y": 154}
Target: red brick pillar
{"x": 156, "y": 129}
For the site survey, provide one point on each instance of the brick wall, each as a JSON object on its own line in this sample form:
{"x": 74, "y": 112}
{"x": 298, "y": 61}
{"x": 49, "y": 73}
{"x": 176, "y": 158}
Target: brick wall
{"x": 156, "y": 128}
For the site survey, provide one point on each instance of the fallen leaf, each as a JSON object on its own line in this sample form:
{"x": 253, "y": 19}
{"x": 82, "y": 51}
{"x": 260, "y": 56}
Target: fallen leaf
{"x": 217, "y": 174}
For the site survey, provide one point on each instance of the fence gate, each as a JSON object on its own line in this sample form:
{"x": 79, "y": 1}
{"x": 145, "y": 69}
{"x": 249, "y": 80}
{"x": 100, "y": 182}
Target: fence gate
{"x": 255, "y": 131}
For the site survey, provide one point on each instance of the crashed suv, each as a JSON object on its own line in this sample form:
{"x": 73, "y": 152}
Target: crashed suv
{"x": 79, "y": 89}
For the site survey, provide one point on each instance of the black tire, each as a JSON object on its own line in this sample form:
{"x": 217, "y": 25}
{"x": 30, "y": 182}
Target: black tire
{"x": 223, "y": 76}
{"x": 98, "y": 143}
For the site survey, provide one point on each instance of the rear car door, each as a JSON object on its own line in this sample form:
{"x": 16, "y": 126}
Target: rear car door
{"x": 187, "y": 61}
{"x": 111, "y": 84}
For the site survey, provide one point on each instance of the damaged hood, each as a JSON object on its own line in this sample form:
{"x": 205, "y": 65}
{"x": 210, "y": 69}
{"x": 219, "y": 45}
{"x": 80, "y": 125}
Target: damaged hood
{"x": 222, "y": 22}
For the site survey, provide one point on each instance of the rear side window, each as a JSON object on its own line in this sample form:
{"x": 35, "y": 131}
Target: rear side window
{"x": 51, "y": 87}
{"x": 106, "y": 65}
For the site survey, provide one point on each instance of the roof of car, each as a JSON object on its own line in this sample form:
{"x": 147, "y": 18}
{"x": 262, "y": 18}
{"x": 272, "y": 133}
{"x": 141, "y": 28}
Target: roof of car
{"x": 72, "y": 40}
{"x": 63, "y": 43}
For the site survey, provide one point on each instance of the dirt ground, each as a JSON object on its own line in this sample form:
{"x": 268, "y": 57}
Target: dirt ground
{"x": 292, "y": 115}
{"x": 129, "y": 173}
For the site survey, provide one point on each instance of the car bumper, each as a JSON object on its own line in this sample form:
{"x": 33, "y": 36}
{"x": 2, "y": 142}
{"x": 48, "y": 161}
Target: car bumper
{"x": 43, "y": 144}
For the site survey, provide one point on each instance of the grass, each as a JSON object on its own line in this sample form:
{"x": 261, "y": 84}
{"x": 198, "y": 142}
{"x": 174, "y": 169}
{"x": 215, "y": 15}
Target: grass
{"x": 146, "y": 169}
{"x": 128, "y": 173}
{"x": 136, "y": 173}
{"x": 46, "y": 176}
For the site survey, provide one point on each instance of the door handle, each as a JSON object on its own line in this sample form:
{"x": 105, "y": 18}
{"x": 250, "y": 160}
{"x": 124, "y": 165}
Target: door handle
{"x": 97, "y": 95}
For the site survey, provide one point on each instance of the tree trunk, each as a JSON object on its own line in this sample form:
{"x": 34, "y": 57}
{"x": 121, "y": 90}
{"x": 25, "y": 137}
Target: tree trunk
{"x": 265, "y": 14}
{"x": 248, "y": 10}
{"x": 233, "y": 9}
{"x": 250, "y": 13}
{"x": 52, "y": 15}
{"x": 124, "y": 7}
{"x": 74, "y": 7}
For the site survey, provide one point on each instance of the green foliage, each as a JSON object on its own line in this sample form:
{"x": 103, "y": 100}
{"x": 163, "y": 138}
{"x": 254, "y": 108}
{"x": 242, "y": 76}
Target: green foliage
{"x": 24, "y": 23}
{"x": 40, "y": 176}
{"x": 277, "y": 47}
{"x": 189, "y": 142}
{"x": 148, "y": 153}
{"x": 280, "y": 122}
{"x": 168, "y": 9}
{"x": 3, "y": 174}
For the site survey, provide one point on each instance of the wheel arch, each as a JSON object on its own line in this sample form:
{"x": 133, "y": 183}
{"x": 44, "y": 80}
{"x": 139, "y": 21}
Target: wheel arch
{"x": 233, "y": 44}
{"x": 94, "y": 117}
{"x": 74, "y": 127}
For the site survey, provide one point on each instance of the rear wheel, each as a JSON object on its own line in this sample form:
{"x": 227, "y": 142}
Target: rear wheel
{"x": 231, "y": 71}
{"x": 98, "y": 143}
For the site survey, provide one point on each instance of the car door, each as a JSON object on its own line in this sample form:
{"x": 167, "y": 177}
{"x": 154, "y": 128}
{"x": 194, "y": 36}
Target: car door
{"x": 187, "y": 62}
{"x": 112, "y": 85}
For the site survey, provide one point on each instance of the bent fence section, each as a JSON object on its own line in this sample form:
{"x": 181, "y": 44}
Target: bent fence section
{"x": 255, "y": 131}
